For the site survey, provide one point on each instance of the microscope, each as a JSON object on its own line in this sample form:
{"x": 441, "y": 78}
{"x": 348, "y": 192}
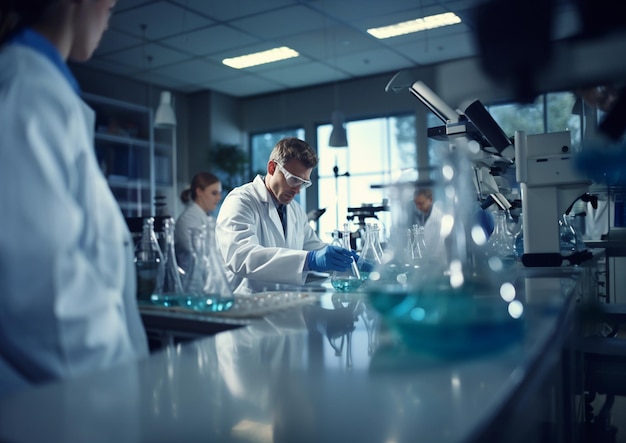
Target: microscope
{"x": 550, "y": 185}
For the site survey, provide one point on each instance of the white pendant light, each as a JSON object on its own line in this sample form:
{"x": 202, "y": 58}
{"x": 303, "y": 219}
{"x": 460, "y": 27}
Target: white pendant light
{"x": 165, "y": 117}
{"x": 338, "y": 136}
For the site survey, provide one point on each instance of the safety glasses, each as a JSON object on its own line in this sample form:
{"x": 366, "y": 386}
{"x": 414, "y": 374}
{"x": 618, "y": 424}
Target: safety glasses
{"x": 293, "y": 180}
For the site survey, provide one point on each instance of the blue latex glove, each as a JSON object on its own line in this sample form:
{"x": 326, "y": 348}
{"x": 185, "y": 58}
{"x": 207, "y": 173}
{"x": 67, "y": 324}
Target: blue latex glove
{"x": 329, "y": 258}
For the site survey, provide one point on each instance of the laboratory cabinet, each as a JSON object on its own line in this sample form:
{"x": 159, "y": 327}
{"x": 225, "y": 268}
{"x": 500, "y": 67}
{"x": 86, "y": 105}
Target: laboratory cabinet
{"x": 136, "y": 164}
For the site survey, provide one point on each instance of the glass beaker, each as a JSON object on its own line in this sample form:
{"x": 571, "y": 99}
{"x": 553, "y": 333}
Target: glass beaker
{"x": 169, "y": 288}
{"x": 350, "y": 280}
{"x": 148, "y": 257}
{"x": 214, "y": 293}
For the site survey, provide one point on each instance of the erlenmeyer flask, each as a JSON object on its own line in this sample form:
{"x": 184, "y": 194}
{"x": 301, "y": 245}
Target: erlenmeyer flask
{"x": 197, "y": 273}
{"x": 369, "y": 257}
{"x": 216, "y": 294}
{"x": 500, "y": 248}
{"x": 169, "y": 288}
{"x": 336, "y": 241}
{"x": 349, "y": 280}
{"x": 375, "y": 235}
{"x": 148, "y": 257}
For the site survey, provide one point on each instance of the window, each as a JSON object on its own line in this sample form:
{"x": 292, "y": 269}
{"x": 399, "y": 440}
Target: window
{"x": 378, "y": 150}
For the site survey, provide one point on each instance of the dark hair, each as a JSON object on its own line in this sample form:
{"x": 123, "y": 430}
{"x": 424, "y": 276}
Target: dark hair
{"x": 292, "y": 147}
{"x": 426, "y": 192}
{"x": 15, "y": 14}
{"x": 200, "y": 180}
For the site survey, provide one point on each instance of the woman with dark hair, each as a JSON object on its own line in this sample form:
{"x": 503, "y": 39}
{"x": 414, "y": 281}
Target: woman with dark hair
{"x": 67, "y": 279}
{"x": 201, "y": 197}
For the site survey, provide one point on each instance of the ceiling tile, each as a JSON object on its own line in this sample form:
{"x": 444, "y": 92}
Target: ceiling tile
{"x": 113, "y": 40}
{"x": 228, "y": 10}
{"x": 196, "y": 71}
{"x": 242, "y": 86}
{"x": 146, "y": 57}
{"x": 436, "y": 50}
{"x": 304, "y": 74}
{"x": 281, "y": 22}
{"x": 210, "y": 40}
{"x": 330, "y": 42}
{"x": 162, "y": 19}
{"x": 373, "y": 62}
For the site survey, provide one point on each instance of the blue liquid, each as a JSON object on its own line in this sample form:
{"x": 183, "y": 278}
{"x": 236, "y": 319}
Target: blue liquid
{"x": 166, "y": 299}
{"x": 346, "y": 284}
{"x": 447, "y": 322}
{"x": 207, "y": 303}
{"x": 146, "y": 279}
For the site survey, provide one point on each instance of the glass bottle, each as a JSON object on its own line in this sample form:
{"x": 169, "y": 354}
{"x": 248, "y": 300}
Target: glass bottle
{"x": 148, "y": 257}
{"x": 500, "y": 246}
{"x": 169, "y": 288}
{"x": 215, "y": 293}
{"x": 369, "y": 257}
{"x": 349, "y": 280}
{"x": 336, "y": 241}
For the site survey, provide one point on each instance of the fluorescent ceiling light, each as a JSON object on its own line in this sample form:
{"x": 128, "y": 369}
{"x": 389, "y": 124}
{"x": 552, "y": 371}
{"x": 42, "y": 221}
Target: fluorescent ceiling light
{"x": 260, "y": 58}
{"x": 420, "y": 24}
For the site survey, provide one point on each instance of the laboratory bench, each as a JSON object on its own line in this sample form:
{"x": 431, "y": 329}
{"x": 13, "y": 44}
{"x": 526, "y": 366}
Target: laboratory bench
{"x": 325, "y": 369}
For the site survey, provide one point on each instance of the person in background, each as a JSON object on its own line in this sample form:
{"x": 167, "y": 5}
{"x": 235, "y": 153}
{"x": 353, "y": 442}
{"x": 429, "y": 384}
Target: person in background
{"x": 428, "y": 214}
{"x": 67, "y": 279}
{"x": 201, "y": 197}
{"x": 264, "y": 237}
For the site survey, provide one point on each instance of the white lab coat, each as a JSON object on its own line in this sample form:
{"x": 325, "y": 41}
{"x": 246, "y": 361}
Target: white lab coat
{"x": 251, "y": 240}
{"x": 192, "y": 217}
{"x": 67, "y": 279}
{"x": 436, "y": 252}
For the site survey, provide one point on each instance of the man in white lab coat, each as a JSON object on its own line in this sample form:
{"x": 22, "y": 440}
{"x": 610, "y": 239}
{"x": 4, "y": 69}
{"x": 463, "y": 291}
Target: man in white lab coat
{"x": 264, "y": 237}
{"x": 428, "y": 214}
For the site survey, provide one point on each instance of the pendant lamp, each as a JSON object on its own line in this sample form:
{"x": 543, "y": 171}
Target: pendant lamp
{"x": 338, "y": 136}
{"x": 165, "y": 117}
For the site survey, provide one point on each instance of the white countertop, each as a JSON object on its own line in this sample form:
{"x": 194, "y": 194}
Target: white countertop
{"x": 320, "y": 372}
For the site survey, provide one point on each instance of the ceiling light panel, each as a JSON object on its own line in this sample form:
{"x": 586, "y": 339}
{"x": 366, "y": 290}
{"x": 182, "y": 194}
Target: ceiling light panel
{"x": 417, "y": 25}
{"x": 260, "y": 58}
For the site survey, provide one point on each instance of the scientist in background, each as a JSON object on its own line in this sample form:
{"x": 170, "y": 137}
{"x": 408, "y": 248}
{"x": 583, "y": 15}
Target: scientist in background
{"x": 67, "y": 279}
{"x": 201, "y": 198}
{"x": 428, "y": 214}
{"x": 264, "y": 236}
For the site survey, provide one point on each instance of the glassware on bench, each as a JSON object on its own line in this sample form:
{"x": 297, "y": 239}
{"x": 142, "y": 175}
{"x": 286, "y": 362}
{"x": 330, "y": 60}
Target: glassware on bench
{"x": 458, "y": 307}
{"x": 349, "y": 280}
{"x": 169, "y": 287}
{"x": 207, "y": 288}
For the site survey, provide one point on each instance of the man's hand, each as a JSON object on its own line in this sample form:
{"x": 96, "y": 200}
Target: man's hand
{"x": 329, "y": 258}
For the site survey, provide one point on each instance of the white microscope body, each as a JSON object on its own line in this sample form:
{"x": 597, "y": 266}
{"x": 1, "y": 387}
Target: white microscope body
{"x": 549, "y": 185}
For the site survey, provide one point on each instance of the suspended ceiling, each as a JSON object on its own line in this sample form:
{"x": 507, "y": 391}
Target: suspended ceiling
{"x": 180, "y": 44}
